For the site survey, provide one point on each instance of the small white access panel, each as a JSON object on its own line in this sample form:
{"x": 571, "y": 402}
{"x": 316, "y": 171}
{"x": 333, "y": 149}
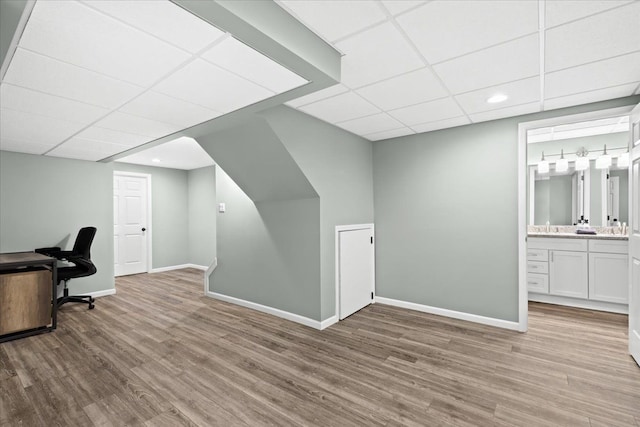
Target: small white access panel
{"x": 356, "y": 269}
{"x": 130, "y": 224}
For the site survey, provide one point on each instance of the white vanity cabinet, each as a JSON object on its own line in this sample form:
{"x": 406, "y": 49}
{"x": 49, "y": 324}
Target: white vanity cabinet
{"x": 568, "y": 274}
{"x": 608, "y": 271}
{"x": 589, "y": 273}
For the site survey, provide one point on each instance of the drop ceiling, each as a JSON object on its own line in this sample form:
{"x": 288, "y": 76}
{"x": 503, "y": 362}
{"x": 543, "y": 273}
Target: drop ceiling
{"x": 418, "y": 66}
{"x": 93, "y": 78}
{"x": 181, "y": 153}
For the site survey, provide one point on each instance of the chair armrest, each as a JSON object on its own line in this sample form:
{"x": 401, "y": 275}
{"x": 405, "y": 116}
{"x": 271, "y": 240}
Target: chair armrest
{"x": 55, "y": 252}
{"x": 46, "y": 251}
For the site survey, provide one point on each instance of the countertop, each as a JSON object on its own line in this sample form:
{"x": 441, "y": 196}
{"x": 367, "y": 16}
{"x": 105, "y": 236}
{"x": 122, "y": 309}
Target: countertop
{"x": 578, "y": 236}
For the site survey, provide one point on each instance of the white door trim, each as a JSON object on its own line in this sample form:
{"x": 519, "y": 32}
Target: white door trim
{"x": 340, "y": 228}
{"x": 149, "y": 232}
{"x": 523, "y": 294}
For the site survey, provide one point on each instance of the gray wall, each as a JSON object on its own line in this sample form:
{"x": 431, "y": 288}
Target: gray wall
{"x": 202, "y": 215}
{"x": 541, "y": 202}
{"x": 446, "y": 215}
{"x": 281, "y": 267}
{"x": 560, "y": 195}
{"x": 268, "y": 252}
{"x": 169, "y": 213}
{"x": 339, "y": 165}
{"x": 44, "y": 201}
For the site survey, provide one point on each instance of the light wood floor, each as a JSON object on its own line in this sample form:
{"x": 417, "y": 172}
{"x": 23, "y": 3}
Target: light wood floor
{"x": 158, "y": 353}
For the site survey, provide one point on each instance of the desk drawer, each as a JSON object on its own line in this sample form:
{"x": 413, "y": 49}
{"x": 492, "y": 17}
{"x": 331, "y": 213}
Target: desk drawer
{"x": 541, "y": 267}
{"x": 538, "y": 283}
{"x": 537, "y": 255}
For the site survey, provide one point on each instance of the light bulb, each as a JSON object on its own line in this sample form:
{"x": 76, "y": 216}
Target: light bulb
{"x": 623, "y": 160}
{"x": 562, "y": 165}
{"x": 582, "y": 163}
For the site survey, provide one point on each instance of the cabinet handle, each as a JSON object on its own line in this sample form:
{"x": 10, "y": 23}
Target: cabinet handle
{"x": 551, "y": 256}
{"x": 532, "y": 254}
{"x": 531, "y": 283}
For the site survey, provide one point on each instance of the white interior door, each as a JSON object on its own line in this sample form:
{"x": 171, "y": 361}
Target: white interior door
{"x": 130, "y": 204}
{"x": 356, "y": 270}
{"x": 634, "y": 236}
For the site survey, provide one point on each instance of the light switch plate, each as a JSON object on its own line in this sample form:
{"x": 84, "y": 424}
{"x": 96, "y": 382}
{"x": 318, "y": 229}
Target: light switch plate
{"x": 222, "y": 207}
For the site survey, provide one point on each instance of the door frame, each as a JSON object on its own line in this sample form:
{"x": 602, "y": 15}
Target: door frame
{"x": 149, "y": 231}
{"x": 523, "y": 127}
{"x": 352, "y": 227}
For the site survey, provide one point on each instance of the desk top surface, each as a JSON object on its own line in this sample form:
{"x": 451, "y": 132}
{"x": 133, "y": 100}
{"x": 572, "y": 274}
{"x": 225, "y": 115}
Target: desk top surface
{"x": 18, "y": 259}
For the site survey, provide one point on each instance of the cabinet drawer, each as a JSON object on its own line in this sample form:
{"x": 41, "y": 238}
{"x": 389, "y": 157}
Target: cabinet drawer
{"x": 557, "y": 244}
{"x": 541, "y": 267}
{"x": 538, "y": 283}
{"x": 609, "y": 246}
{"x": 537, "y": 255}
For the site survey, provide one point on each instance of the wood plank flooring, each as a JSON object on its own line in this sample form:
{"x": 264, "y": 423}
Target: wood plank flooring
{"x": 158, "y": 353}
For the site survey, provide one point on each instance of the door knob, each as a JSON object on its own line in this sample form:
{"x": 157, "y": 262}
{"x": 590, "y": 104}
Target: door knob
{"x": 144, "y": 229}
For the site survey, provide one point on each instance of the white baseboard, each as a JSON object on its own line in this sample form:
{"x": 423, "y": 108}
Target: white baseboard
{"x": 328, "y": 322}
{"x": 177, "y": 267}
{"x": 208, "y": 273}
{"x": 506, "y": 324}
{"x": 580, "y": 303}
{"x": 273, "y": 311}
{"x": 98, "y": 294}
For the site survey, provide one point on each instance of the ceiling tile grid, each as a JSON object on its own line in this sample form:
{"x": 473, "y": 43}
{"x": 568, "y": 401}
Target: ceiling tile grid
{"x": 103, "y": 76}
{"x": 435, "y": 64}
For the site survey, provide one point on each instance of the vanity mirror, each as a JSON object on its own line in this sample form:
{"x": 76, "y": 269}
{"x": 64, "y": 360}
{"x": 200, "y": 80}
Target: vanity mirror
{"x": 593, "y": 188}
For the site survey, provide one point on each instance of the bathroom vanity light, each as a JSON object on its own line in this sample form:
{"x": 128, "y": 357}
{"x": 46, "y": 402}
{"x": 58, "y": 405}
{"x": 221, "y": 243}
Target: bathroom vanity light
{"x": 623, "y": 160}
{"x": 562, "y": 164}
{"x": 604, "y": 160}
{"x": 543, "y": 165}
{"x": 582, "y": 161}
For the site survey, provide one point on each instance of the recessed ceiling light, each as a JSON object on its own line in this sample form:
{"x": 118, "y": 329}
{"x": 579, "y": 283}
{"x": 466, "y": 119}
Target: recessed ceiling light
{"x": 499, "y": 97}
{"x": 155, "y": 160}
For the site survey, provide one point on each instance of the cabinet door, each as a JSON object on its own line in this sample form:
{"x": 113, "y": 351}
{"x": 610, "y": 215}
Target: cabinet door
{"x": 608, "y": 277}
{"x": 568, "y": 274}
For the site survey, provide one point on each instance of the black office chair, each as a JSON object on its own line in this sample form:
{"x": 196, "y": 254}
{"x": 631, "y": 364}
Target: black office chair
{"x": 80, "y": 256}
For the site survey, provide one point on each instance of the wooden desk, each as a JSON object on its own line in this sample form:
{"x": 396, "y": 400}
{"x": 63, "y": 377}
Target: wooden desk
{"x": 28, "y": 301}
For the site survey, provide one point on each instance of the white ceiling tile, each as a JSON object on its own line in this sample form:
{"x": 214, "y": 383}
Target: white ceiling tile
{"x": 182, "y": 153}
{"x": 408, "y": 89}
{"x": 34, "y": 71}
{"x": 446, "y": 29}
{"x": 317, "y": 96}
{"x": 35, "y": 129}
{"x": 378, "y": 136}
{"x": 376, "y": 54}
{"x": 396, "y": 7}
{"x": 339, "y": 108}
{"x": 82, "y": 36}
{"x": 92, "y": 152}
{"x": 137, "y": 125}
{"x": 431, "y": 111}
{"x": 112, "y": 136}
{"x": 336, "y": 19}
{"x": 97, "y": 148}
{"x": 371, "y": 124}
{"x": 209, "y": 86}
{"x": 597, "y": 75}
{"x": 608, "y": 34}
{"x": 507, "y": 62}
{"x": 163, "y": 108}
{"x": 441, "y": 124}
{"x": 23, "y": 147}
{"x": 501, "y": 113}
{"x": 55, "y": 107}
{"x": 591, "y": 96}
{"x": 519, "y": 92}
{"x": 561, "y": 11}
{"x": 163, "y": 19}
{"x": 244, "y": 61}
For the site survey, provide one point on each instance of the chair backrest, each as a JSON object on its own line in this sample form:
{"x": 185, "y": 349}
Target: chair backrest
{"x": 82, "y": 246}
